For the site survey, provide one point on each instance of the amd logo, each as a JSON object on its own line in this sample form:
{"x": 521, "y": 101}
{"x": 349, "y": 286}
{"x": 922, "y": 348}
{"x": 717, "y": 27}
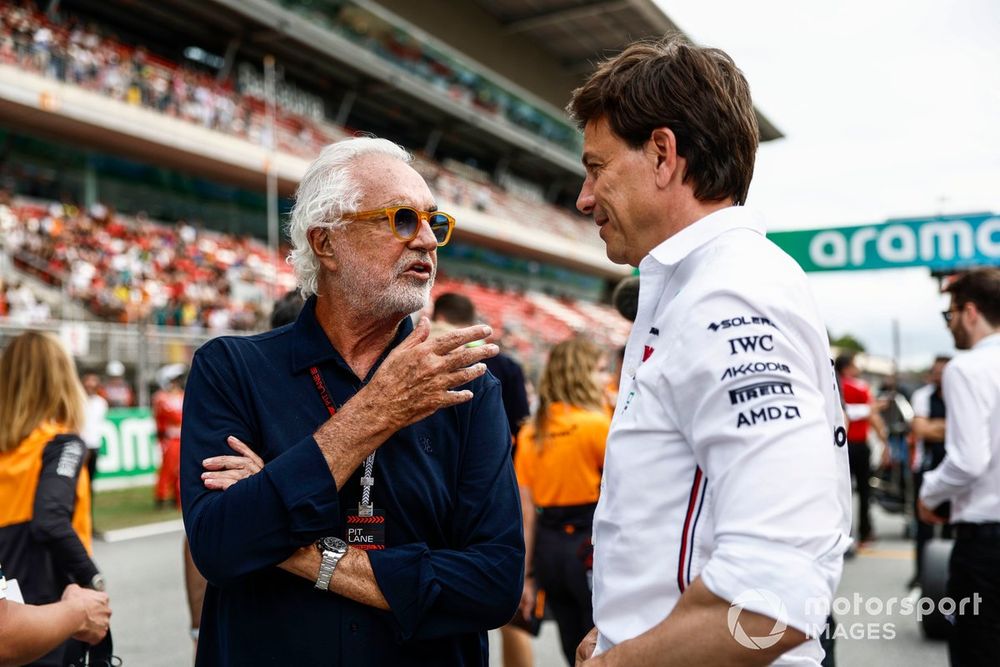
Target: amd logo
{"x": 768, "y": 414}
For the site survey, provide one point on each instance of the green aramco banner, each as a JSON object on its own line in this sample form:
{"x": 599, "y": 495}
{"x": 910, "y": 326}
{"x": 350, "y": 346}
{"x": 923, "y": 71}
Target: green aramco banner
{"x": 941, "y": 243}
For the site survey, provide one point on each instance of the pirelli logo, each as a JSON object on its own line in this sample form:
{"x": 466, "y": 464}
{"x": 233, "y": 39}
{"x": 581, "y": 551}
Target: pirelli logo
{"x": 759, "y": 390}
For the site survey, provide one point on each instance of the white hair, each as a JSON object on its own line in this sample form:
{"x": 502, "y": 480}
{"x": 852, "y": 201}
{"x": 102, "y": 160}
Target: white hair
{"x": 327, "y": 192}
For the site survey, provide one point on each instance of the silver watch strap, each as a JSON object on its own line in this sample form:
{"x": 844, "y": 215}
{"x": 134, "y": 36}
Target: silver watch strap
{"x": 326, "y": 567}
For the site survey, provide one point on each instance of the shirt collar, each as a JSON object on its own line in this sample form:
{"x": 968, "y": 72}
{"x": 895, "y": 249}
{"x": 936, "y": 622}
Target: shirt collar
{"x": 311, "y": 346}
{"x": 683, "y": 243}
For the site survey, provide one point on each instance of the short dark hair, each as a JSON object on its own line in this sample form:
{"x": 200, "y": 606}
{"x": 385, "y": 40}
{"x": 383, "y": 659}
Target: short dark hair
{"x": 941, "y": 359}
{"x": 843, "y": 360}
{"x": 981, "y": 287}
{"x": 286, "y": 309}
{"x": 454, "y": 309}
{"x": 697, "y": 92}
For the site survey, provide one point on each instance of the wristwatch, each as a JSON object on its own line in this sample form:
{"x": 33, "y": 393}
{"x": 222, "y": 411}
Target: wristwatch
{"x": 332, "y": 549}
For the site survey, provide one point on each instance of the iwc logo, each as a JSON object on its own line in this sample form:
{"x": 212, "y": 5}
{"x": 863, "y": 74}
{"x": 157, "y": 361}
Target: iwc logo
{"x": 770, "y": 605}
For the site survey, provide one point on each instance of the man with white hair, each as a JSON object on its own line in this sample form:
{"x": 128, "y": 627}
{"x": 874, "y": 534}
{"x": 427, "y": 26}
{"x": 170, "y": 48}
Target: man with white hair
{"x": 378, "y": 468}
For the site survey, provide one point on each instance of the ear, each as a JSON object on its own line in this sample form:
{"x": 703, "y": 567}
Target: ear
{"x": 662, "y": 148}
{"x": 320, "y": 240}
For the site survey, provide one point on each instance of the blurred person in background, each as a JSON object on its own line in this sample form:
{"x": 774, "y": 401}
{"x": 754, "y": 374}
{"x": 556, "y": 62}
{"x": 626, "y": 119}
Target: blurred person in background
{"x": 897, "y": 414}
{"x": 928, "y": 432}
{"x": 559, "y": 460}
{"x": 45, "y": 519}
{"x": 286, "y": 309}
{"x": 861, "y": 414}
{"x": 28, "y": 631}
{"x": 969, "y": 475}
{"x": 453, "y": 310}
{"x": 168, "y": 408}
{"x": 459, "y": 311}
{"x": 95, "y": 411}
{"x": 117, "y": 390}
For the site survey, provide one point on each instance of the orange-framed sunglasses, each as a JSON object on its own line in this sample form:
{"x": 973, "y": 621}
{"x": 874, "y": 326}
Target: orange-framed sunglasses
{"x": 405, "y": 222}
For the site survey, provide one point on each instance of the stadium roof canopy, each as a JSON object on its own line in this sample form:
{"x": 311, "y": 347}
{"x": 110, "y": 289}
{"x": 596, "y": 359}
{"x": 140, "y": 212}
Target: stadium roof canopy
{"x": 576, "y": 32}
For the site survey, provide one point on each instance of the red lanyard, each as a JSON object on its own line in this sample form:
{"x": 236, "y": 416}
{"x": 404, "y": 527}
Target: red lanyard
{"x": 368, "y": 478}
{"x": 321, "y": 388}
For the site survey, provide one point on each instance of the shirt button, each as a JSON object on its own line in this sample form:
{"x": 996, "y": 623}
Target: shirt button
{"x": 630, "y": 371}
{"x": 354, "y": 628}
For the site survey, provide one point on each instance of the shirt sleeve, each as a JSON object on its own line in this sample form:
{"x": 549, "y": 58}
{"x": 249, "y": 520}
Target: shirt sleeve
{"x": 259, "y": 521}
{"x": 749, "y": 401}
{"x": 475, "y": 584}
{"x": 967, "y": 439}
{"x": 922, "y": 403}
{"x": 55, "y": 501}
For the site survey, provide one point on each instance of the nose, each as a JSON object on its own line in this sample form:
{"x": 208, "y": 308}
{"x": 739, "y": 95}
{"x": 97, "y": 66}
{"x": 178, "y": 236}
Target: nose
{"x": 425, "y": 239}
{"x": 585, "y": 201}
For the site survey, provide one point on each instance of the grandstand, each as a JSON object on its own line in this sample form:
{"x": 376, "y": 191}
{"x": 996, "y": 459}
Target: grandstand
{"x": 136, "y": 141}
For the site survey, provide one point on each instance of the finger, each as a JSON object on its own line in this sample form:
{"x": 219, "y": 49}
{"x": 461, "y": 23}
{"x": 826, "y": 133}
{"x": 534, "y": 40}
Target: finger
{"x": 231, "y": 463}
{"x": 236, "y": 474}
{"x": 219, "y": 484}
{"x": 463, "y": 375}
{"x": 244, "y": 449}
{"x": 418, "y": 335}
{"x": 466, "y": 356}
{"x": 456, "y": 398}
{"x": 448, "y": 341}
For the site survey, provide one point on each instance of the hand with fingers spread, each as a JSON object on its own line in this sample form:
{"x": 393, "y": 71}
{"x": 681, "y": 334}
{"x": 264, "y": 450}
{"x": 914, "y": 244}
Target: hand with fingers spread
{"x": 221, "y": 472}
{"x": 420, "y": 375}
{"x": 417, "y": 379}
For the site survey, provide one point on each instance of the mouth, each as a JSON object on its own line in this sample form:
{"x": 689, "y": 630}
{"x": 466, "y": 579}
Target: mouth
{"x": 420, "y": 270}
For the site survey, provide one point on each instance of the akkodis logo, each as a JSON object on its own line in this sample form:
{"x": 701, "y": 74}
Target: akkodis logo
{"x": 768, "y": 604}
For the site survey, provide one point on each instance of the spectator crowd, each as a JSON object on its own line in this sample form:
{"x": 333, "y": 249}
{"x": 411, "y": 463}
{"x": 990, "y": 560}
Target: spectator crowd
{"x": 83, "y": 54}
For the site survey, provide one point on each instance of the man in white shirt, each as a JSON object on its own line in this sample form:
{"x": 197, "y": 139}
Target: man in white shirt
{"x": 969, "y": 476}
{"x": 95, "y": 410}
{"x": 725, "y": 506}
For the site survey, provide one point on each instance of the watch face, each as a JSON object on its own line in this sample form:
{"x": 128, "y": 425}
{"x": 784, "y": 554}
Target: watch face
{"x": 333, "y": 544}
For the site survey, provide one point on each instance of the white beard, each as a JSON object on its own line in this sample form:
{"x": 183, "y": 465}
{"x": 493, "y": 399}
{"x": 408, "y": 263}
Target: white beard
{"x": 381, "y": 298}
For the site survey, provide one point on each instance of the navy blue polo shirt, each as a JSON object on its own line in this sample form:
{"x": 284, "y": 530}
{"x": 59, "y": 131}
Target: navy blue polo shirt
{"x": 453, "y": 565}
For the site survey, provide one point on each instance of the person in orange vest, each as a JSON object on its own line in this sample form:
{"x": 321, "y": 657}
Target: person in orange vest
{"x": 168, "y": 404}
{"x": 45, "y": 523}
{"x": 559, "y": 462}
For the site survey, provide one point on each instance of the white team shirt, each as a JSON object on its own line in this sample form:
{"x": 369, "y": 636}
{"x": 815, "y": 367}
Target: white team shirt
{"x": 726, "y": 456}
{"x": 969, "y": 476}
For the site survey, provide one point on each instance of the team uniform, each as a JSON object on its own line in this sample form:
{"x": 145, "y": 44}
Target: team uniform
{"x": 857, "y": 403}
{"x": 969, "y": 476}
{"x": 45, "y": 525}
{"x": 168, "y": 409}
{"x": 727, "y": 452}
{"x": 563, "y": 477}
